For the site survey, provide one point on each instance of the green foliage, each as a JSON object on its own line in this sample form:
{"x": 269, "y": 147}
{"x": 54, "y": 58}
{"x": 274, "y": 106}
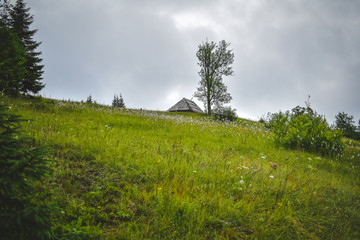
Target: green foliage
{"x": 214, "y": 61}
{"x": 346, "y": 124}
{"x": 128, "y": 174}
{"x": 5, "y": 8}
{"x": 305, "y": 129}
{"x": 89, "y": 99}
{"x": 118, "y": 101}
{"x": 225, "y": 114}
{"x": 21, "y": 20}
{"x": 20, "y": 68}
{"x": 22, "y": 217}
{"x": 68, "y": 232}
{"x": 12, "y": 62}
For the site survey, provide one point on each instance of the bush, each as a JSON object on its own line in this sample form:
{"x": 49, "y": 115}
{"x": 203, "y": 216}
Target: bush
{"x": 302, "y": 128}
{"x": 225, "y": 114}
{"x": 22, "y": 216}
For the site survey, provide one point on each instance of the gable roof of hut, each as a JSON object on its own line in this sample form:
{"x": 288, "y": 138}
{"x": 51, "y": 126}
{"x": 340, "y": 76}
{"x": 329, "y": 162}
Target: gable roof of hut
{"x": 185, "y": 105}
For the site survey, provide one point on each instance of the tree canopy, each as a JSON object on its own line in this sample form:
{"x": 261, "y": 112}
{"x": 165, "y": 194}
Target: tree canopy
{"x": 21, "y": 70}
{"x": 22, "y": 213}
{"x": 12, "y": 62}
{"x": 118, "y": 101}
{"x": 214, "y": 61}
{"x": 346, "y": 124}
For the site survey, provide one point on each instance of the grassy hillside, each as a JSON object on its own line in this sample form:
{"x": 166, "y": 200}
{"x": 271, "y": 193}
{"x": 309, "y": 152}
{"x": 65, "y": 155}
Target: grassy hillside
{"x": 128, "y": 174}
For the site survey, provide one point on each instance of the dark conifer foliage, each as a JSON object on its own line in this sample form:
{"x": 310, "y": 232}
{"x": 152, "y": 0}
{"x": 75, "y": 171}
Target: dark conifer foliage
{"x": 21, "y": 20}
{"x": 22, "y": 215}
{"x": 346, "y": 124}
{"x": 118, "y": 101}
{"x": 5, "y": 8}
{"x": 89, "y": 99}
{"x": 12, "y": 62}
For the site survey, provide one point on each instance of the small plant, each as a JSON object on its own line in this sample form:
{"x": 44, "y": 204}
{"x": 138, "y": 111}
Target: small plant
{"x": 303, "y": 128}
{"x": 21, "y": 214}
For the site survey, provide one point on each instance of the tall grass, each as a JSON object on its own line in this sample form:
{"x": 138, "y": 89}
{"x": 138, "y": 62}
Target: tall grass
{"x": 131, "y": 174}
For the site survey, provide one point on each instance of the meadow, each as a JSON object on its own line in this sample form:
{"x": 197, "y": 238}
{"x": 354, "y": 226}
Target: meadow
{"x": 136, "y": 174}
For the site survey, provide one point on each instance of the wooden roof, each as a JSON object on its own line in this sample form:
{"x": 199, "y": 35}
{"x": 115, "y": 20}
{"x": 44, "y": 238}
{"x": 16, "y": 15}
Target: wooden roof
{"x": 185, "y": 105}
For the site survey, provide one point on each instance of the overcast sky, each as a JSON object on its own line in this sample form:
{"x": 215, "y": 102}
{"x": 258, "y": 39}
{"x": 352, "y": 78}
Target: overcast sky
{"x": 146, "y": 50}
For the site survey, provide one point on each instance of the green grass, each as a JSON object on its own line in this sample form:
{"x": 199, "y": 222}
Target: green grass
{"x": 130, "y": 174}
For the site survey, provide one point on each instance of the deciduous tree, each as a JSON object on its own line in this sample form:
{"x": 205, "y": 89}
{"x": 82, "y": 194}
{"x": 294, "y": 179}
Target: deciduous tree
{"x": 214, "y": 61}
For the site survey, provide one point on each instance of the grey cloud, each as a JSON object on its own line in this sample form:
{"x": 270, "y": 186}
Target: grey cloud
{"x": 284, "y": 50}
{"x": 301, "y": 48}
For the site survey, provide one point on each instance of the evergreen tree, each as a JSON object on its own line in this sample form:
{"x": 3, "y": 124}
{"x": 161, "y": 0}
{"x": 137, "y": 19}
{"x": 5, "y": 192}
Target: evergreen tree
{"x": 121, "y": 102}
{"x": 12, "y": 62}
{"x": 21, "y": 20}
{"x": 21, "y": 214}
{"x": 5, "y": 8}
{"x": 345, "y": 122}
{"x": 115, "y": 101}
{"x": 118, "y": 101}
{"x": 89, "y": 99}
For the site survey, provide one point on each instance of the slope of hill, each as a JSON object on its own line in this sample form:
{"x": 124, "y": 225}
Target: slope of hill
{"x": 129, "y": 174}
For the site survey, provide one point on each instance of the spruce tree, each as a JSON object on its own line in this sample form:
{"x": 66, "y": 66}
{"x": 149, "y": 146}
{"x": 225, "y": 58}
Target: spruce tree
{"x": 115, "y": 101}
{"x": 12, "y": 62}
{"x": 89, "y": 99}
{"x": 118, "y": 101}
{"x": 21, "y": 20}
{"x": 346, "y": 124}
{"x": 22, "y": 215}
{"x": 121, "y": 102}
{"x": 5, "y": 8}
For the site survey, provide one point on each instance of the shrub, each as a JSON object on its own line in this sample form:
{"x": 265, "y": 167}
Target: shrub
{"x": 22, "y": 216}
{"x": 225, "y": 114}
{"x": 302, "y": 128}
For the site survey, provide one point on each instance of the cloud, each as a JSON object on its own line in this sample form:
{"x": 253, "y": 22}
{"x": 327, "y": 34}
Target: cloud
{"x": 284, "y": 51}
{"x": 299, "y": 48}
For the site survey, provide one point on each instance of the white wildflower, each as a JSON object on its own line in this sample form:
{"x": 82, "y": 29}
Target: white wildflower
{"x": 271, "y": 176}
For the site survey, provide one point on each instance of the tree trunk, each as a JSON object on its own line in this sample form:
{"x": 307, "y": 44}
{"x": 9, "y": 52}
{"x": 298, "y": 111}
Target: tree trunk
{"x": 208, "y": 106}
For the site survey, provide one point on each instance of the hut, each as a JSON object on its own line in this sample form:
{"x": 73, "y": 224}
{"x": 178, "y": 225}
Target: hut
{"x": 185, "y": 105}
